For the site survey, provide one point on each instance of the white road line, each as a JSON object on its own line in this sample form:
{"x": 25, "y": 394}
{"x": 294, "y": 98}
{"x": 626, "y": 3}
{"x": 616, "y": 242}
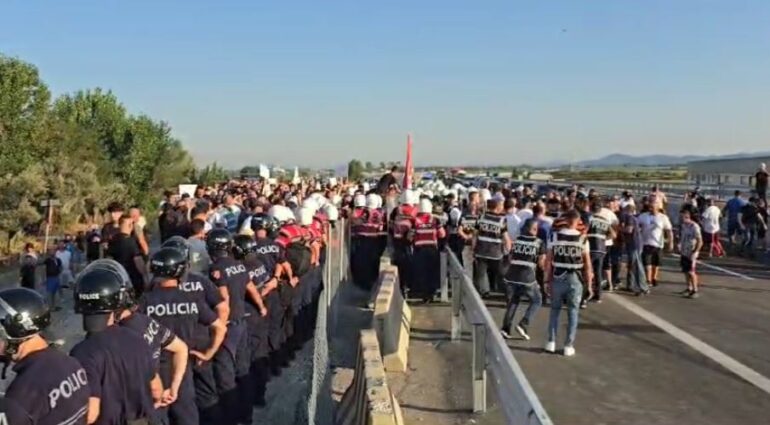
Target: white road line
{"x": 729, "y": 363}
{"x": 721, "y": 269}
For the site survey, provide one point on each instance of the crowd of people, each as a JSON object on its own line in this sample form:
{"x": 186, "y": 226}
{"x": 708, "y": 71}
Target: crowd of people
{"x": 557, "y": 247}
{"x": 187, "y": 333}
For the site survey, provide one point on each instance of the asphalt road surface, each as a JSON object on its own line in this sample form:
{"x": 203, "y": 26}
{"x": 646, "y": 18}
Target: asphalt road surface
{"x": 661, "y": 359}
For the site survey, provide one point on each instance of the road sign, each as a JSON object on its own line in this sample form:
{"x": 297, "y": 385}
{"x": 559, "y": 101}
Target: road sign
{"x": 51, "y": 202}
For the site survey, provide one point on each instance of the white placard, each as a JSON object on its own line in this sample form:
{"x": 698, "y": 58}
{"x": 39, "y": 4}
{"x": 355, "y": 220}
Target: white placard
{"x": 188, "y": 189}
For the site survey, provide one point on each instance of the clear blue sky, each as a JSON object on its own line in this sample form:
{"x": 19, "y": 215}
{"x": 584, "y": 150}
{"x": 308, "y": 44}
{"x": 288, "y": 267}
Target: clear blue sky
{"x": 318, "y": 82}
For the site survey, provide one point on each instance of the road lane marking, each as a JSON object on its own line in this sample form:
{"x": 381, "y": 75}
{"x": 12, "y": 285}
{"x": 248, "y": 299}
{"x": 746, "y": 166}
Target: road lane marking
{"x": 729, "y": 363}
{"x": 720, "y": 269}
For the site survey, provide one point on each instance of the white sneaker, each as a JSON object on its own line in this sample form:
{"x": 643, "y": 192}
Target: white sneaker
{"x": 550, "y": 347}
{"x": 569, "y": 351}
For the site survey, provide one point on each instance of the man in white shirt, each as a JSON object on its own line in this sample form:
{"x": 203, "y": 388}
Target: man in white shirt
{"x": 711, "y": 218}
{"x": 513, "y": 220}
{"x": 525, "y": 212}
{"x": 656, "y": 229}
{"x": 608, "y": 214}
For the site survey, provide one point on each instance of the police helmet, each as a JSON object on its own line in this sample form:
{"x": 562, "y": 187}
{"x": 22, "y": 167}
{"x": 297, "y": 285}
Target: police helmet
{"x": 168, "y": 262}
{"x": 23, "y": 314}
{"x": 281, "y": 213}
{"x": 332, "y": 212}
{"x": 219, "y": 240}
{"x": 179, "y": 243}
{"x": 373, "y": 200}
{"x": 305, "y": 216}
{"x": 426, "y": 206}
{"x": 243, "y": 245}
{"x": 311, "y": 204}
{"x": 103, "y": 287}
{"x": 359, "y": 201}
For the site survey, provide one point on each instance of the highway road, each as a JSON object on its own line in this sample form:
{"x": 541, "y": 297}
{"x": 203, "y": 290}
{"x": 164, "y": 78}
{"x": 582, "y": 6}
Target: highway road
{"x": 661, "y": 359}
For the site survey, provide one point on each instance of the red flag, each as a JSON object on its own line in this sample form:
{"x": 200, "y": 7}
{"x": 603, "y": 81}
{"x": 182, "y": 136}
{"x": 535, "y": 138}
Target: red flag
{"x": 408, "y": 170}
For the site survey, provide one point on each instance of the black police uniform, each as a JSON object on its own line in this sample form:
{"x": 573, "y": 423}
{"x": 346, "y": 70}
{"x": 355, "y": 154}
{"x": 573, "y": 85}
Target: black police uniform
{"x": 271, "y": 254}
{"x": 488, "y": 267}
{"x": 232, "y": 360}
{"x": 206, "y": 394}
{"x": 157, "y": 336}
{"x": 182, "y": 312}
{"x": 118, "y": 364}
{"x": 259, "y": 347}
{"x": 58, "y": 379}
{"x": 11, "y": 413}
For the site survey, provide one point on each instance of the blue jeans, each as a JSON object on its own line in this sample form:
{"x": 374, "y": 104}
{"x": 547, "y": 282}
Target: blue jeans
{"x": 515, "y": 292}
{"x": 566, "y": 288}
{"x": 635, "y": 277}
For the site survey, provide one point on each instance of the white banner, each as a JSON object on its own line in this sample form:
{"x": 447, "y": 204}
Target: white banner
{"x": 295, "y": 180}
{"x": 264, "y": 172}
{"x": 188, "y": 189}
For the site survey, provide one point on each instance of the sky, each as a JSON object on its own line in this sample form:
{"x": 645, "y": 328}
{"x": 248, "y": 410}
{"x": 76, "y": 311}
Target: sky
{"x": 316, "y": 83}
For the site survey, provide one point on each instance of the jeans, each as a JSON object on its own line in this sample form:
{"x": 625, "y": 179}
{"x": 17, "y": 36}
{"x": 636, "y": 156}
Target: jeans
{"x": 635, "y": 277}
{"x": 569, "y": 288}
{"x": 615, "y": 252}
{"x": 597, "y": 260}
{"x": 515, "y": 291}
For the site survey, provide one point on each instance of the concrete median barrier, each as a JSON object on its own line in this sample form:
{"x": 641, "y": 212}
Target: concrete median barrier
{"x": 392, "y": 320}
{"x": 368, "y": 400}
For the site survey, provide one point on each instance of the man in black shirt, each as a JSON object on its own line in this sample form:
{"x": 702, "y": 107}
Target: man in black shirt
{"x": 112, "y": 227}
{"x": 118, "y": 361}
{"x": 124, "y": 249}
{"x": 93, "y": 245}
{"x": 50, "y": 387}
{"x": 386, "y": 181}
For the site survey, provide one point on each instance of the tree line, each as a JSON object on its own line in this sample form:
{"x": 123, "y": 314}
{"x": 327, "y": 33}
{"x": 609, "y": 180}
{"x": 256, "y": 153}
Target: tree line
{"x": 84, "y": 149}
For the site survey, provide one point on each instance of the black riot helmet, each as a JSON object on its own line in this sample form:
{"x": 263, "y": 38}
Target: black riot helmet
{"x": 103, "y": 287}
{"x": 169, "y": 263}
{"x": 243, "y": 245}
{"x": 23, "y": 314}
{"x": 179, "y": 243}
{"x": 219, "y": 242}
{"x": 267, "y": 222}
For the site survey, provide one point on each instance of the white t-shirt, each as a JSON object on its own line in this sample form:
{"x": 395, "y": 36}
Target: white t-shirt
{"x": 514, "y": 225}
{"x": 711, "y": 219}
{"x": 653, "y": 227}
{"x": 610, "y": 216}
{"x": 525, "y": 214}
{"x": 65, "y": 257}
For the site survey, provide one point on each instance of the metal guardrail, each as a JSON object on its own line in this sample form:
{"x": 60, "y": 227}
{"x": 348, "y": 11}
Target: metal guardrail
{"x": 518, "y": 401}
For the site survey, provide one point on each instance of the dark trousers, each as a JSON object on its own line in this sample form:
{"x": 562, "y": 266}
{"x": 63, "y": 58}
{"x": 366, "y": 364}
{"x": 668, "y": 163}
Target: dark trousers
{"x": 231, "y": 363}
{"x": 365, "y": 261}
{"x": 597, "y": 262}
{"x": 402, "y": 257}
{"x": 427, "y": 272}
{"x": 183, "y": 411}
{"x": 488, "y": 275}
{"x": 206, "y": 395}
{"x": 457, "y": 245}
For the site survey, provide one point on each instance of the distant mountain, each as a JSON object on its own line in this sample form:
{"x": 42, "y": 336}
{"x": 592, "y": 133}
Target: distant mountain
{"x": 619, "y": 160}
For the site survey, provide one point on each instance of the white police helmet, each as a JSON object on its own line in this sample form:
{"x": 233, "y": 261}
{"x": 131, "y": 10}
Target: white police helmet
{"x": 311, "y": 204}
{"x": 281, "y": 213}
{"x": 331, "y": 212}
{"x": 373, "y": 200}
{"x": 359, "y": 201}
{"x": 426, "y": 206}
{"x": 305, "y": 216}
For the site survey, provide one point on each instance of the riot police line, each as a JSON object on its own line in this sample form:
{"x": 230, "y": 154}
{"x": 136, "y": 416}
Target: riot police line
{"x": 194, "y": 348}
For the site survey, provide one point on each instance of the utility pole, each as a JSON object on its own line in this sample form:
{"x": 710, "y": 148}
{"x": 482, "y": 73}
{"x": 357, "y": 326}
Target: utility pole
{"x": 50, "y": 203}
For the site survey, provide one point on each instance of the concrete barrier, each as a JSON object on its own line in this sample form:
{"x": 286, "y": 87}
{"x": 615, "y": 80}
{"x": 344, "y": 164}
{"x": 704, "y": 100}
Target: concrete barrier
{"x": 368, "y": 400}
{"x": 392, "y": 320}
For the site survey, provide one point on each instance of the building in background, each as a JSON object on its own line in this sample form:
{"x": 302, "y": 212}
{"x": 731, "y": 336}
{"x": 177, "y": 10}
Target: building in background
{"x": 726, "y": 171}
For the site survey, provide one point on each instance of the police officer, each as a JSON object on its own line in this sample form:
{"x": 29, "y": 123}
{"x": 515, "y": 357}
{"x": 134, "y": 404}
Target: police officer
{"x": 425, "y": 236}
{"x": 50, "y": 387}
{"x": 233, "y": 360}
{"x": 599, "y": 232}
{"x": 182, "y": 312}
{"x": 568, "y": 256}
{"x": 401, "y": 223}
{"x": 255, "y": 381}
{"x": 527, "y": 254}
{"x": 272, "y": 256}
{"x": 455, "y": 241}
{"x": 468, "y": 220}
{"x": 11, "y": 413}
{"x": 111, "y": 281}
{"x": 312, "y": 279}
{"x": 117, "y": 360}
{"x": 204, "y": 291}
{"x": 490, "y": 243}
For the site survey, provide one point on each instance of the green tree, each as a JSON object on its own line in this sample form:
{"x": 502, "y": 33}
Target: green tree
{"x": 355, "y": 169}
{"x": 369, "y": 166}
{"x": 24, "y": 102}
{"x": 211, "y": 174}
